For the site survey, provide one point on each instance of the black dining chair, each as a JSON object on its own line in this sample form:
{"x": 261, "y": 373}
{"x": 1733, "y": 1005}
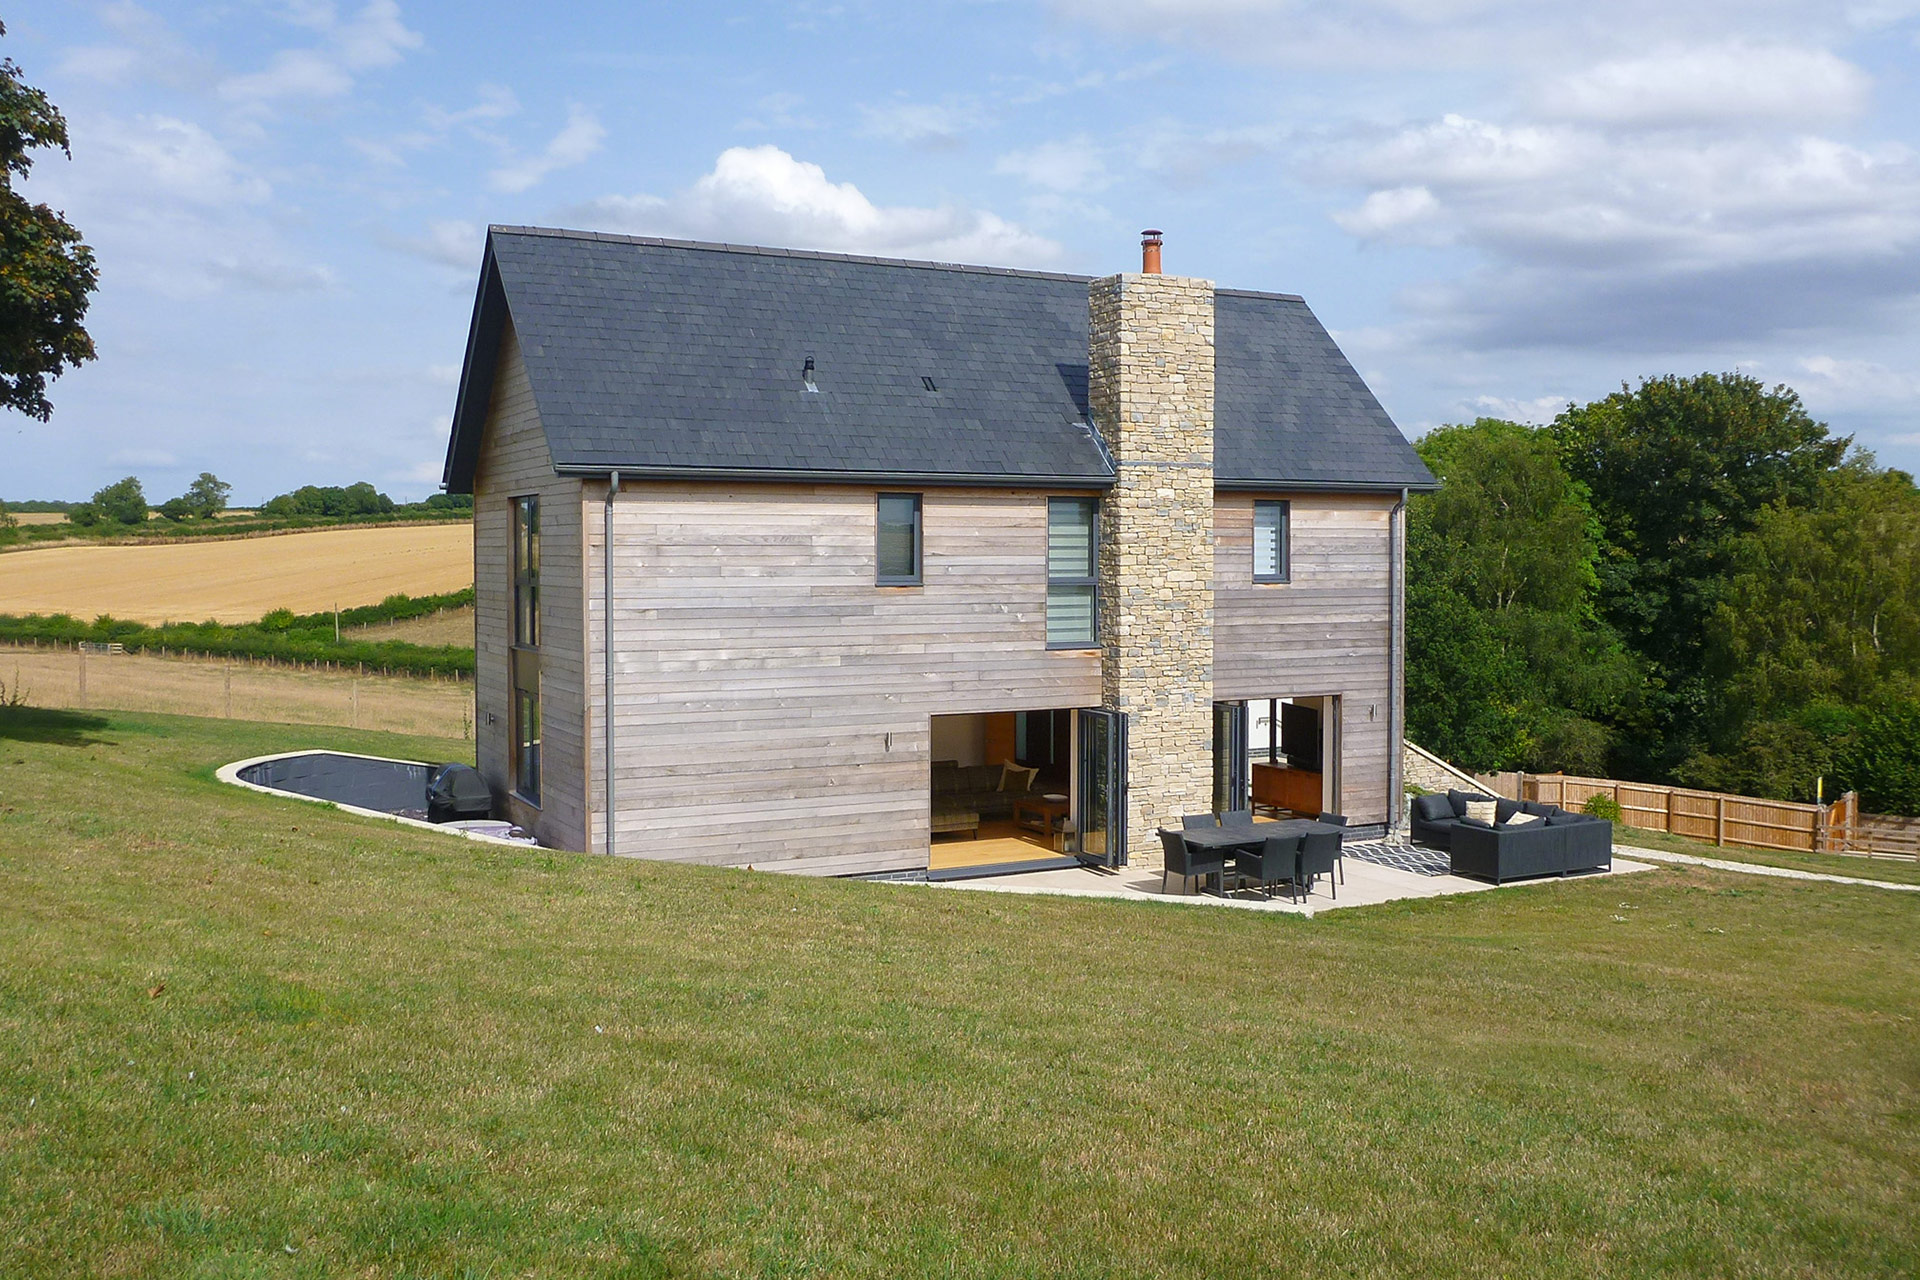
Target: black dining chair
{"x": 1319, "y": 854}
{"x": 1191, "y": 821}
{"x": 1275, "y": 860}
{"x": 1187, "y": 862}
{"x": 1237, "y": 818}
{"x": 1339, "y": 859}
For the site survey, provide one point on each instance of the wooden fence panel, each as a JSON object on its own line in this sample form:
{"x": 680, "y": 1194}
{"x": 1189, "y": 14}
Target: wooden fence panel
{"x": 1708, "y": 815}
{"x": 1883, "y": 834}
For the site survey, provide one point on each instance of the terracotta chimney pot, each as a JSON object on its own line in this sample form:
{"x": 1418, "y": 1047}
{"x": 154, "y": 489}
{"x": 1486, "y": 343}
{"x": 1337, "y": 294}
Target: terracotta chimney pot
{"x": 1150, "y": 253}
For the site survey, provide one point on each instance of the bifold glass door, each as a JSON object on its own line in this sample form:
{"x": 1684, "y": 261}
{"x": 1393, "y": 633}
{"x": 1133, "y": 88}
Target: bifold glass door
{"x": 1103, "y": 788}
{"x": 1229, "y": 756}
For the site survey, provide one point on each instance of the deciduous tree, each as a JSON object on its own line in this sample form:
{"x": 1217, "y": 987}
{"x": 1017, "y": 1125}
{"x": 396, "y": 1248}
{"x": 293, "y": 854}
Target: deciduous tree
{"x": 47, "y": 273}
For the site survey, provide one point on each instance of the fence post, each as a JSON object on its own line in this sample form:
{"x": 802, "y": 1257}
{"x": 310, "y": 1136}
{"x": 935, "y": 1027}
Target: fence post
{"x": 83, "y": 674}
{"x": 1720, "y": 820}
{"x": 1669, "y": 810}
{"x": 227, "y": 671}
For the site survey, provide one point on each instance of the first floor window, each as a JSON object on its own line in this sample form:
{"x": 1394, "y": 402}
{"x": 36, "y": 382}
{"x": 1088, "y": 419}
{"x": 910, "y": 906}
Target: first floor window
{"x": 1072, "y": 565}
{"x": 898, "y": 541}
{"x": 526, "y": 725}
{"x": 1270, "y": 542}
{"x": 526, "y": 572}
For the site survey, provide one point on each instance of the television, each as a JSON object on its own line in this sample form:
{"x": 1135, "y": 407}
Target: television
{"x": 1300, "y": 736}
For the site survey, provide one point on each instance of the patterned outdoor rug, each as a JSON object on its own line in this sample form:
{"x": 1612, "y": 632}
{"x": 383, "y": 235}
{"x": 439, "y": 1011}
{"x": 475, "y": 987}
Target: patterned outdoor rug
{"x": 1401, "y": 856}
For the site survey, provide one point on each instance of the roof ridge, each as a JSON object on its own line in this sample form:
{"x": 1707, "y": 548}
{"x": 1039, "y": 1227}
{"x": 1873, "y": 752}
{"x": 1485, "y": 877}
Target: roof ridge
{"x": 771, "y": 251}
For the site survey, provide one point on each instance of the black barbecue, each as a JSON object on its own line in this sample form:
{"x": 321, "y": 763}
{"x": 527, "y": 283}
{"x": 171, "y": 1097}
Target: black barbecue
{"x": 456, "y": 792}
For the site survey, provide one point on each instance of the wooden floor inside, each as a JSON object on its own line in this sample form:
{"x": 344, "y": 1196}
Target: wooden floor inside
{"x": 999, "y": 842}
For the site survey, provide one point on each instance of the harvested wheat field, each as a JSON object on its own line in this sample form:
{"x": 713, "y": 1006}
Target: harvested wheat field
{"x": 40, "y": 517}
{"x": 449, "y": 626}
{"x": 66, "y": 679}
{"x": 238, "y": 580}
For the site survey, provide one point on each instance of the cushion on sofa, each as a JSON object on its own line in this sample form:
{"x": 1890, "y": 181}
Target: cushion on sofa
{"x": 1433, "y": 808}
{"x": 1478, "y": 824}
{"x": 1483, "y": 811}
{"x": 1459, "y": 800}
{"x": 1521, "y": 819}
{"x": 1014, "y": 777}
{"x": 1538, "y": 808}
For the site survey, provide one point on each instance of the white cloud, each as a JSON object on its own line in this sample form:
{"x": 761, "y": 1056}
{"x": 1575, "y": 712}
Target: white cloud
{"x": 1851, "y": 383}
{"x": 762, "y": 195}
{"x": 1502, "y": 34}
{"x": 451, "y": 242}
{"x": 168, "y": 207}
{"x": 1735, "y": 83}
{"x": 576, "y": 142}
{"x": 1073, "y": 164}
{"x": 1393, "y": 212}
{"x": 1536, "y": 409}
{"x": 373, "y": 38}
{"x": 166, "y": 158}
{"x": 928, "y": 126}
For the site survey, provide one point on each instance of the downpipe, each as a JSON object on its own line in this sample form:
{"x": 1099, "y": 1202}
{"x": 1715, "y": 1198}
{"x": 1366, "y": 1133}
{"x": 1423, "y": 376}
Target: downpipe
{"x": 1396, "y": 637}
{"x": 606, "y": 653}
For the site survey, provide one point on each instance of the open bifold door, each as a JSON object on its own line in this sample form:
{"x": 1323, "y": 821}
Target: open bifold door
{"x": 1102, "y": 820}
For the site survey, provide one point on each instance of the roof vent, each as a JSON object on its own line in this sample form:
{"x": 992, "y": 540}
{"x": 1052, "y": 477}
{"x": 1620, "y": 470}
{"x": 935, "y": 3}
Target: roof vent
{"x": 806, "y": 377}
{"x": 928, "y": 383}
{"x": 1150, "y": 253}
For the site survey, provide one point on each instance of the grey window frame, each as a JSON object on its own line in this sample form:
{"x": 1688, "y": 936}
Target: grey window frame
{"x": 1092, "y": 506}
{"x": 882, "y": 579}
{"x": 523, "y": 654}
{"x": 1285, "y": 549}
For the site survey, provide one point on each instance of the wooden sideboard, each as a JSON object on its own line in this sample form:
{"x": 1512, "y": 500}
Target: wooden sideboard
{"x": 1278, "y": 786}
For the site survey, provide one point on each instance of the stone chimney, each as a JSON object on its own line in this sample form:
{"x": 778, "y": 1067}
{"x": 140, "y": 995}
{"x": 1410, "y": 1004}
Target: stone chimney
{"x": 1150, "y": 385}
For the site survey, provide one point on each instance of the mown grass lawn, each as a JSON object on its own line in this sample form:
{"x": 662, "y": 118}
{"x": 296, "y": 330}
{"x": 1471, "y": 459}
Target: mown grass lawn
{"x": 1891, "y": 870}
{"x": 244, "y": 1036}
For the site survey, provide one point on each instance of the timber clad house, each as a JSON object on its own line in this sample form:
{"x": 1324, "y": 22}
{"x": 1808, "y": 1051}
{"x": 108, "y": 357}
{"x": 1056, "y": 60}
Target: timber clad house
{"x": 843, "y": 565}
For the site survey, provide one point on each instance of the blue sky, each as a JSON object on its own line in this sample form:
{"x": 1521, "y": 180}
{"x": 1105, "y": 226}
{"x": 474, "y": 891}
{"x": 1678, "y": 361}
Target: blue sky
{"x": 1496, "y": 205}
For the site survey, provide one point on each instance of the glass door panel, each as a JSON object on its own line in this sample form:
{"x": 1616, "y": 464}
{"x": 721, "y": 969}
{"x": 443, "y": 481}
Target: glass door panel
{"x": 1103, "y": 788}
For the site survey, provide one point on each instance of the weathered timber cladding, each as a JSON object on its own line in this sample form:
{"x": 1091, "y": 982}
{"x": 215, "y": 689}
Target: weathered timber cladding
{"x": 1324, "y": 632}
{"x": 1151, "y": 390}
{"x": 771, "y": 703}
{"x": 514, "y": 462}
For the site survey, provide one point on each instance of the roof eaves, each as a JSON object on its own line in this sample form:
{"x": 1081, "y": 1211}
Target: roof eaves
{"x": 818, "y": 255}
{"x": 809, "y": 475}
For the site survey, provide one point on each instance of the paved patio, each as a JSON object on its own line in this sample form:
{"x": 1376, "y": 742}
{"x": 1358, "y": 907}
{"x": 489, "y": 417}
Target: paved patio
{"x": 1372, "y": 878}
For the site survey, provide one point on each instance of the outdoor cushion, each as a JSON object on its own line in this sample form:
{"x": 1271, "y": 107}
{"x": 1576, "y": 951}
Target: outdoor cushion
{"x": 1479, "y": 824}
{"x": 1521, "y": 819}
{"x": 1538, "y": 808}
{"x": 1506, "y": 810}
{"x": 1433, "y": 808}
{"x": 1460, "y": 798}
{"x": 1482, "y": 810}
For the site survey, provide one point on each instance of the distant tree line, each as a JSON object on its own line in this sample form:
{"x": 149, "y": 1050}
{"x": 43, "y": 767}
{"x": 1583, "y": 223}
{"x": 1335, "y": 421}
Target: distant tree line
{"x": 121, "y": 507}
{"x": 1690, "y": 581}
{"x": 280, "y": 636}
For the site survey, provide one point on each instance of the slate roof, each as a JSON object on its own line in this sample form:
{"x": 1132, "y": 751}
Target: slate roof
{"x": 662, "y": 357}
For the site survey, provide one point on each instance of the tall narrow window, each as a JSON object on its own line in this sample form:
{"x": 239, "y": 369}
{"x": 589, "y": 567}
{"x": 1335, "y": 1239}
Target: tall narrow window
{"x": 1270, "y": 549}
{"x": 897, "y": 558}
{"x": 524, "y": 658}
{"x": 1072, "y": 557}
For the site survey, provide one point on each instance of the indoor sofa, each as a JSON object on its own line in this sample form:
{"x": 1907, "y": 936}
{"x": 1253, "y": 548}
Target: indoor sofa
{"x": 966, "y": 795}
{"x": 1558, "y": 843}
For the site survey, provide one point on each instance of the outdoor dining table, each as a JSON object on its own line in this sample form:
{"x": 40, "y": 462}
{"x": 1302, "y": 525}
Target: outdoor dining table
{"x": 1234, "y": 839}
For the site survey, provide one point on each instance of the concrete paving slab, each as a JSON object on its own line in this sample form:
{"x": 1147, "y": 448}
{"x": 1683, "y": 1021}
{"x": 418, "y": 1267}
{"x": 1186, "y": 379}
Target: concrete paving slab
{"x": 1368, "y": 884}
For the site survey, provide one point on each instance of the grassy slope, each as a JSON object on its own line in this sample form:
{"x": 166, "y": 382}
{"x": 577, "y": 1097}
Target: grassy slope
{"x": 397, "y": 1054}
{"x": 1892, "y": 870}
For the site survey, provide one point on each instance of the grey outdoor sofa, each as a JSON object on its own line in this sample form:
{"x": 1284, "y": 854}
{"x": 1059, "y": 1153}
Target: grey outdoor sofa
{"x": 1559, "y": 844}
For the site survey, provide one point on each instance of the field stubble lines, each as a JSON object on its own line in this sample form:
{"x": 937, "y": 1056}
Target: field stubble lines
{"x": 240, "y": 580}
